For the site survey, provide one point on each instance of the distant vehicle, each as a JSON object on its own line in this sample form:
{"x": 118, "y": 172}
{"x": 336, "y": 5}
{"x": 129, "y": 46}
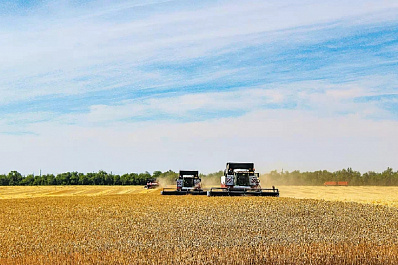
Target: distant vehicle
{"x": 240, "y": 179}
{"x": 188, "y": 182}
{"x": 151, "y": 184}
{"x": 336, "y": 183}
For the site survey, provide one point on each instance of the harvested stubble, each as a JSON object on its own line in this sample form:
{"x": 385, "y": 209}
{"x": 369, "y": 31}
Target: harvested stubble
{"x": 154, "y": 229}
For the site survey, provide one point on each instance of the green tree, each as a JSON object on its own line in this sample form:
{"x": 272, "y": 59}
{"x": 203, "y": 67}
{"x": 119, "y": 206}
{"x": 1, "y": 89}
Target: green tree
{"x": 37, "y": 181}
{"x": 124, "y": 179}
{"x": 63, "y": 178}
{"x": 27, "y": 181}
{"x": 4, "y": 181}
{"x": 14, "y": 178}
{"x": 116, "y": 180}
{"x": 83, "y": 179}
{"x": 386, "y": 177}
{"x": 49, "y": 179}
{"x": 109, "y": 179}
{"x": 156, "y": 174}
{"x": 74, "y": 178}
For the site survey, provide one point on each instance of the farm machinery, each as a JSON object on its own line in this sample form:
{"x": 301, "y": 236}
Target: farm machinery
{"x": 188, "y": 182}
{"x": 240, "y": 179}
{"x": 151, "y": 184}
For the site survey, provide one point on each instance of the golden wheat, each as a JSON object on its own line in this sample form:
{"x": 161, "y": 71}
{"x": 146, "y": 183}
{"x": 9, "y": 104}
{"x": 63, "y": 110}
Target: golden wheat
{"x": 380, "y": 195}
{"x": 149, "y": 228}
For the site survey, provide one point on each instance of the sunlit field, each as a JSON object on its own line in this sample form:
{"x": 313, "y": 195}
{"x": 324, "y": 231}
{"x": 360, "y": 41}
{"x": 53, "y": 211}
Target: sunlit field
{"x": 13, "y": 192}
{"x": 363, "y": 194}
{"x": 131, "y": 225}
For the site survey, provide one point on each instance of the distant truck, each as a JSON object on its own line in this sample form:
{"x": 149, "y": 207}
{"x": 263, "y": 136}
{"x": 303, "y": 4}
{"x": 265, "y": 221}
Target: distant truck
{"x": 336, "y": 183}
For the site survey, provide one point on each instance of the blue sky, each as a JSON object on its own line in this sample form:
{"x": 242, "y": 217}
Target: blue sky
{"x": 129, "y": 86}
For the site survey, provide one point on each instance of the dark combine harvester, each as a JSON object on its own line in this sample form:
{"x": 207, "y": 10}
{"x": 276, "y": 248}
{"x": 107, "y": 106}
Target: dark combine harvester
{"x": 151, "y": 184}
{"x": 188, "y": 182}
{"x": 240, "y": 180}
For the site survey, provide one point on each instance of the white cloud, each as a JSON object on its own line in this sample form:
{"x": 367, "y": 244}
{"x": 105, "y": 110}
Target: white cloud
{"x": 270, "y": 138}
{"x": 73, "y": 41}
{"x": 320, "y": 97}
{"x": 188, "y": 105}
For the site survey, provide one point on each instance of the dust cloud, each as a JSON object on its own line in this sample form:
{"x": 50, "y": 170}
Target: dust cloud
{"x": 211, "y": 181}
{"x": 165, "y": 182}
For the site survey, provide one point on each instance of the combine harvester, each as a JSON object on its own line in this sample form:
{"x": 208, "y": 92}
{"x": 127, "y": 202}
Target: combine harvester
{"x": 151, "y": 184}
{"x": 240, "y": 180}
{"x": 188, "y": 182}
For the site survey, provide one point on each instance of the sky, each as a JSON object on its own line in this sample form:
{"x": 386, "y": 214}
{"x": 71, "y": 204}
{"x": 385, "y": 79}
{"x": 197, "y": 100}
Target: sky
{"x": 134, "y": 86}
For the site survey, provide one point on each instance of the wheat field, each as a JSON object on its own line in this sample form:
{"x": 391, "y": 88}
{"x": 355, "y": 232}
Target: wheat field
{"x": 379, "y": 195}
{"x": 17, "y": 192}
{"x": 131, "y": 225}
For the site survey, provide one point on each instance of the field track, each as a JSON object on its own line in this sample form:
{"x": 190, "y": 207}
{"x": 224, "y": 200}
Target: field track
{"x": 130, "y": 225}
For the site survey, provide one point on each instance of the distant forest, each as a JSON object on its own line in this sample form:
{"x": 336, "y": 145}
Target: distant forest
{"x": 355, "y": 178}
{"x": 386, "y": 178}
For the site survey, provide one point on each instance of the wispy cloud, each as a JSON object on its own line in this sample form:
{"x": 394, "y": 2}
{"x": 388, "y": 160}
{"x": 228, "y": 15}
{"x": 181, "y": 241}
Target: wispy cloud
{"x": 51, "y": 54}
{"x": 161, "y": 71}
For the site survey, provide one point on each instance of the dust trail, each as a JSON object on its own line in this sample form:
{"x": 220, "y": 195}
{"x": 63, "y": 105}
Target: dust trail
{"x": 213, "y": 181}
{"x": 267, "y": 181}
{"x": 166, "y": 182}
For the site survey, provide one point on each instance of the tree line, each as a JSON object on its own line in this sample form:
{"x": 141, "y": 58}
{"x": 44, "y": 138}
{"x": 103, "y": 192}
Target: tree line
{"x": 386, "y": 178}
{"x": 14, "y": 178}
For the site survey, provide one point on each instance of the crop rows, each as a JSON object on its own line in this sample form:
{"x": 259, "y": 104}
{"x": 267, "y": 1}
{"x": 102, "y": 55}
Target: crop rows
{"x": 154, "y": 229}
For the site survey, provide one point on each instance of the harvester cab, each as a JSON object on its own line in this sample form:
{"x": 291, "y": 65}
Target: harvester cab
{"x": 188, "y": 182}
{"x": 240, "y": 176}
{"x": 240, "y": 179}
